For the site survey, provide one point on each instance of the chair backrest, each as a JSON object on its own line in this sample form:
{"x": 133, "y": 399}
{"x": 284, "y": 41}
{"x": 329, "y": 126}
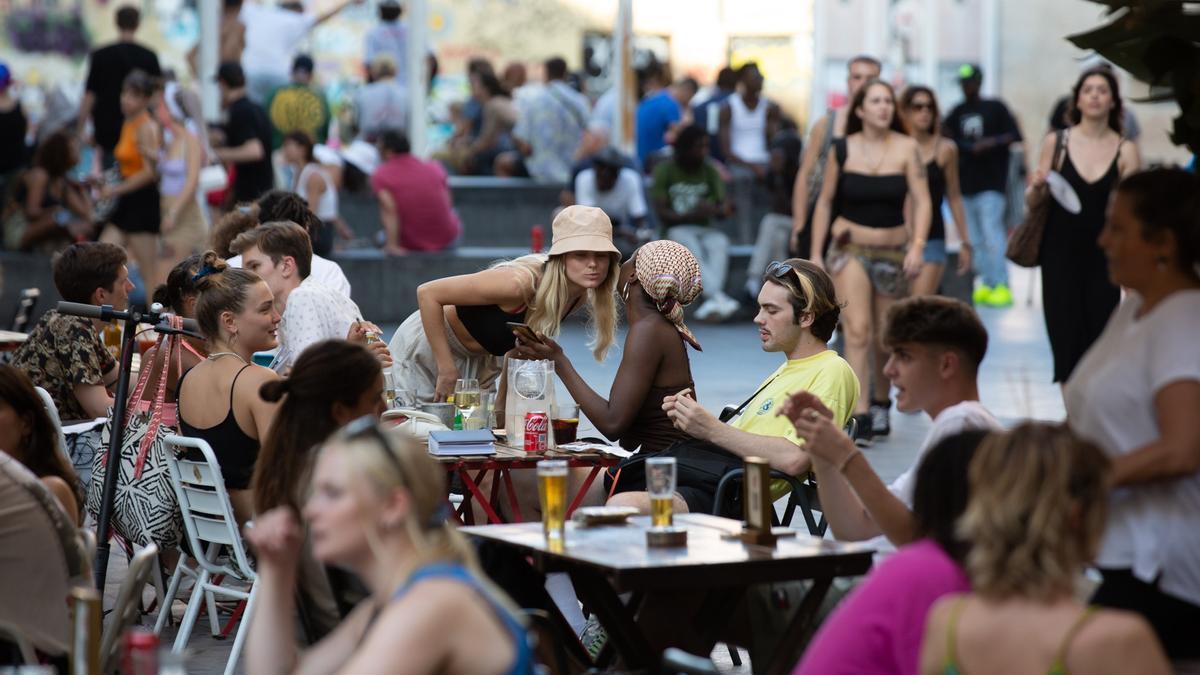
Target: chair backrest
{"x": 25, "y": 306}
{"x": 204, "y": 502}
{"x": 128, "y": 607}
{"x": 52, "y": 410}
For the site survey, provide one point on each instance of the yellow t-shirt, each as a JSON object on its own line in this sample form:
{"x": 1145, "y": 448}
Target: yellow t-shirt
{"x": 826, "y": 374}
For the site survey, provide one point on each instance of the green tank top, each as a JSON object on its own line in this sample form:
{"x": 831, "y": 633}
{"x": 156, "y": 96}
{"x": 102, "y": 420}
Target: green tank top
{"x": 1059, "y": 667}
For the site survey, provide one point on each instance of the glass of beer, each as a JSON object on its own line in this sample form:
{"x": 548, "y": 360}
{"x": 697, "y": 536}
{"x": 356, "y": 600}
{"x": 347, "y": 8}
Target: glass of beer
{"x": 660, "y": 483}
{"x": 389, "y": 388}
{"x": 552, "y": 493}
{"x": 565, "y": 423}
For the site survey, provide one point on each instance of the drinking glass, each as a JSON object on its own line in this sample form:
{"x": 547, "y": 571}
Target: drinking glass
{"x": 389, "y": 388}
{"x": 660, "y": 483}
{"x": 565, "y": 423}
{"x": 552, "y": 493}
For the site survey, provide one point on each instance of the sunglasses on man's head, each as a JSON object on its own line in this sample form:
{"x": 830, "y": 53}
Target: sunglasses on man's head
{"x": 779, "y": 269}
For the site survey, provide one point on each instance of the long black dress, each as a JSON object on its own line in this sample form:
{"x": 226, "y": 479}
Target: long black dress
{"x": 1077, "y": 295}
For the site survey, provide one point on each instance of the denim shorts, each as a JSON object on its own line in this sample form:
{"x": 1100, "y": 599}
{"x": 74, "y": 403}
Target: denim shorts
{"x": 935, "y": 251}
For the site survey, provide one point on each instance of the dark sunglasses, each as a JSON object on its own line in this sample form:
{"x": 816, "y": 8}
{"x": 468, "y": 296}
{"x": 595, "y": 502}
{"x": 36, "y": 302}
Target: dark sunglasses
{"x": 920, "y": 106}
{"x": 779, "y": 269}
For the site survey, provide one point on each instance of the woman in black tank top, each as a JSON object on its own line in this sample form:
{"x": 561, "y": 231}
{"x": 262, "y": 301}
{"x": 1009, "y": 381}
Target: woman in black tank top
{"x": 919, "y": 107}
{"x": 460, "y": 328}
{"x": 1077, "y": 294}
{"x": 876, "y": 250}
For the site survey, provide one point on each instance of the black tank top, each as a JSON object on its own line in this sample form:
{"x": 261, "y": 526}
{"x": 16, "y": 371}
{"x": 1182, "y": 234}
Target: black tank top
{"x": 236, "y": 452}
{"x": 869, "y": 200}
{"x": 488, "y": 325}
{"x": 937, "y": 192}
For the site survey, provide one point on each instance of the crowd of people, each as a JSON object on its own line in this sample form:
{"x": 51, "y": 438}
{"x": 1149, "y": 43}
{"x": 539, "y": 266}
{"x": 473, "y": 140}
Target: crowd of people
{"x": 982, "y": 542}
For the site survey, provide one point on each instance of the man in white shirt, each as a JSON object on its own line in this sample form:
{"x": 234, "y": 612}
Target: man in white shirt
{"x": 281, "y": 253}
{"x": 936, "y": 347}
{"x": 273, "y": 33}
{"x": 613, "y": 187}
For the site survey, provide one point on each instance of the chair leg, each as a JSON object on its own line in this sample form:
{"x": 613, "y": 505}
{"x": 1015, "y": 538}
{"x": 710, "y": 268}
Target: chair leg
{"x": 193, "y": 612}
{"x": 168, "y": 599}
{"x": 240, "y": 638}
{"x": 214, "y": 621}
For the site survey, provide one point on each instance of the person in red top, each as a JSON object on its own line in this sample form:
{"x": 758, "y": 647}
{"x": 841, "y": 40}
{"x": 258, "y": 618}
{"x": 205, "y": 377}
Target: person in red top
{"x": 414, "y": 199}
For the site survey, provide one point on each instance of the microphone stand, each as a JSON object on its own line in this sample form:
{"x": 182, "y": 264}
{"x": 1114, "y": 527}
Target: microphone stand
{"x": 131, "y": 319}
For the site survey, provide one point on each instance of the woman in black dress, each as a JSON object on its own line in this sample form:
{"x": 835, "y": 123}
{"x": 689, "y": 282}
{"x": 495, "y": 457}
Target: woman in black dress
{"x": 1077, "y": 295}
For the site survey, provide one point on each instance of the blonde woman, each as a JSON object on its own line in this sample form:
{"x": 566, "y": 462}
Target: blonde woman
{"x": 460, "y": 328}
{"x": 377, "y": 508}
{"x": 1038, "y": 505}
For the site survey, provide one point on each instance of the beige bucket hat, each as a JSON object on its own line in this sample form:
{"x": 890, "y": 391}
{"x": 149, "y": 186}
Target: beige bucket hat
{"x": 582, "y": 228}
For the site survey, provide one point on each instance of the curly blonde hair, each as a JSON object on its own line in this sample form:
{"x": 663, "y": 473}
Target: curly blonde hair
{"x": 1038, "y": 505}
{"x": 548, "y": 293}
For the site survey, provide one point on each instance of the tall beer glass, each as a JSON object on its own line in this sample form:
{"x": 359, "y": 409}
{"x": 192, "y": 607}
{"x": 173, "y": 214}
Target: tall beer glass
{"x": 660, "y": 483}
{"x": 552, "y": 492}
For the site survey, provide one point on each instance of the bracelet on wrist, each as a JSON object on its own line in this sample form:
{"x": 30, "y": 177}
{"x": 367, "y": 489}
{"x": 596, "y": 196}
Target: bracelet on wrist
{"x": 841, "y": 467}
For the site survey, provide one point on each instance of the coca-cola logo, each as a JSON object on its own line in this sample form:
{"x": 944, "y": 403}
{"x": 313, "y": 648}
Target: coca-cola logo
{"x": 536, "y": 423}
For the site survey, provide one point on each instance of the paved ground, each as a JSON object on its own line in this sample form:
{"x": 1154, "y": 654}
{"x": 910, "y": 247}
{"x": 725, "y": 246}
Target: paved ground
{"x": 1014, "y": 384}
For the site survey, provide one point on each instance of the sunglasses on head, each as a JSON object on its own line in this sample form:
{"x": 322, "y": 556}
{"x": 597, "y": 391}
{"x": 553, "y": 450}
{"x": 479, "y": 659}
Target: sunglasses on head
{"x": 779, "y": 269}
{"x": 368, "y": 427}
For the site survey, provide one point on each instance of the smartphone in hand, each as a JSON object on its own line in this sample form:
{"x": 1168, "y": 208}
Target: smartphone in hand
{"x": 523, "y": 331}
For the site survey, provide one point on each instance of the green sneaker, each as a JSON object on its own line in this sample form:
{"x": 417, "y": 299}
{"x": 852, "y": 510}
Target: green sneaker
{"x": 982, "y": 294}
{"x": 594, "y": 637}
{"x": 1000, "y": 297}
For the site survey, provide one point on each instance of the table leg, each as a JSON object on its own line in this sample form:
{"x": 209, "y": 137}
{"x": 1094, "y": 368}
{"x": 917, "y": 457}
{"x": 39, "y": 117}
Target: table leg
{"x": 587, "y": 483}
{"x": 484, "y": 503}
{"x": 715, "y": 612}
{"x": 512, "y": 496}
{"x": 616, "y": 617}
{"x": 795, "y": 637}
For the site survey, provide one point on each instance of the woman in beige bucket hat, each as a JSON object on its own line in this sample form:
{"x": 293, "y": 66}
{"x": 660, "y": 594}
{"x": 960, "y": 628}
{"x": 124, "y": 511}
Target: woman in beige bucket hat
{"x": 460, "y": 328}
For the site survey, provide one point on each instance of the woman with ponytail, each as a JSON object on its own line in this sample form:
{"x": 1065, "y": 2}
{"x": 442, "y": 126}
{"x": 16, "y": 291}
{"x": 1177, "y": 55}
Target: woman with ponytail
{"x": 332, "y": 383}
{"x": 378, "y": 508}
{"x": 218, "y": 399}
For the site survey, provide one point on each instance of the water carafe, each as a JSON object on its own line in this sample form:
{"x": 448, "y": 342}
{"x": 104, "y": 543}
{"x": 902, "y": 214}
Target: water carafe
{"x": 530, "y": 387}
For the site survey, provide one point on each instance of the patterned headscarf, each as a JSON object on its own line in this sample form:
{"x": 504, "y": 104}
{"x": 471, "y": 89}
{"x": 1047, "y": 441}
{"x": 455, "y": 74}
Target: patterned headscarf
{"x": 670, "y": 275}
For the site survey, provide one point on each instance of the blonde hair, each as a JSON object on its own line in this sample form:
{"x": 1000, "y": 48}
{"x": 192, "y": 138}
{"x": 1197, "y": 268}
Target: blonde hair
{"x": 547, "y": 294}
{"x": 1036, "y": 513}
{"x": 389, "y": 460}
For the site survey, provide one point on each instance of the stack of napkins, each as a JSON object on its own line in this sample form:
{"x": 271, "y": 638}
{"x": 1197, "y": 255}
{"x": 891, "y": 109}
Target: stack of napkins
{"x": 448, "y": 443}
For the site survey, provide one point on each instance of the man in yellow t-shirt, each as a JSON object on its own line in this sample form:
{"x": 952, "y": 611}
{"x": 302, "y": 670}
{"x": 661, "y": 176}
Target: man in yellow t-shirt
{"x": 797, "y": 314}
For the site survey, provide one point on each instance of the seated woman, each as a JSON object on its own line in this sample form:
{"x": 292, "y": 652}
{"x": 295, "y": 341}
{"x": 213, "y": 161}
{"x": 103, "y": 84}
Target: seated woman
{"x": 332, "y": 383}
{"x": 218, "y": 399}
{"x": 178, "y": 296}
{"x": 656, "y": 283}
{"x": 378, "y": 508}
{"x": 53, "y": 208}
{"x": 877, "y": 627}
{"x": 460, "y": 328}
{"x": 1037, "y": 510}
{"x": 29, "y": 436}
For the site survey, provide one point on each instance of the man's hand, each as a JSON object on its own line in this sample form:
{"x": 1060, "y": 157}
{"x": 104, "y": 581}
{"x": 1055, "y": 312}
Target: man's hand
{"x": 689, "y": 416}
{"x": 814, "y": 423}
{"x": 378, "y": 348}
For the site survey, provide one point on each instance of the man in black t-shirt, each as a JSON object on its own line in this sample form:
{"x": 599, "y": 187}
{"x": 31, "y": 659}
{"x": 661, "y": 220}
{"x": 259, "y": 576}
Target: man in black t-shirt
{"x": 106, "y": 74}
{"x": 247, "y": 137}
{"x": 984, "y": 129}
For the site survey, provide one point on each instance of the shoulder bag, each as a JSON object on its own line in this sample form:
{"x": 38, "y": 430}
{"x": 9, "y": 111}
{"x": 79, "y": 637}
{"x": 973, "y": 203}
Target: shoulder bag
{"x": 1025, "y": 244}
{"x": 145, "y": 509}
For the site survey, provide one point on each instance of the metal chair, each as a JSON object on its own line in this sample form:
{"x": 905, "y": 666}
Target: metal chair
{"x": 209, "y": 524}
{"x": 128, "y": 607}
{"x": 52, "y": 410}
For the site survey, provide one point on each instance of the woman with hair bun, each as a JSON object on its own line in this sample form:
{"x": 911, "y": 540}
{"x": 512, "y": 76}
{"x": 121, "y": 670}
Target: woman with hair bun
{"x": 218, "y": 399}
{"x": 378, "y": 508}
{"x": 1038, "y": 504}
{"x": 177, "y": 296}
{"x": 332, "y": 383}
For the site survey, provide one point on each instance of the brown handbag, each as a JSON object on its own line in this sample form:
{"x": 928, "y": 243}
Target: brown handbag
{"x": 1025, "y": 244}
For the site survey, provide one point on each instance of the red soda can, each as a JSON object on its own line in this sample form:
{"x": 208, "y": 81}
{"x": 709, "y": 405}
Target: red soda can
{"x": 140, "y": 652}
{"x": 537, "y": 425}
{"x": 537, "y": 237}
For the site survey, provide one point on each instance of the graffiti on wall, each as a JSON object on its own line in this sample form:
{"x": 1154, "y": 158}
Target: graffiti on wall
{"x": 47, "y": 27}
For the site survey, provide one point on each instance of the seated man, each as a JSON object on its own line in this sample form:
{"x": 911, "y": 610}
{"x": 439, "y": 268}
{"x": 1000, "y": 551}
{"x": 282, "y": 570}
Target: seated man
{"x": 415, "y": 206}
{"x": 613, "y": 187}
{"x": 688, "y": 193}
{"x": 936, "y": 347}
{"x": 281, "y": 254}
{"x": 64, "y": 354}
{"x": 798, "y": 312}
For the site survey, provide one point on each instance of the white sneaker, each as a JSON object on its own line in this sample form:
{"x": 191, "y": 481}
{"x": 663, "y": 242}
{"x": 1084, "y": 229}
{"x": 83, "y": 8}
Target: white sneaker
{"x": 726, "y": 307}
{"x": 707, "y": 309}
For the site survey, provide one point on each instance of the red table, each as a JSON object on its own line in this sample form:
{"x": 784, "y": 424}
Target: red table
{"x": 501, "y": 466}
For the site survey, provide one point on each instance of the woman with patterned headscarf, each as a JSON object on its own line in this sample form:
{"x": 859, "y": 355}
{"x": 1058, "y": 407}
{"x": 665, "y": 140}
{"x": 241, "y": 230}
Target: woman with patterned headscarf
{"x": 657, "y": 282}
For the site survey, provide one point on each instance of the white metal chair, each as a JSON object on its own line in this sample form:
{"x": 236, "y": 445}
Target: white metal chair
{"x": 209, "y": 524}
{"x": 52, "y": 410}
{"x": 129, "y": 605}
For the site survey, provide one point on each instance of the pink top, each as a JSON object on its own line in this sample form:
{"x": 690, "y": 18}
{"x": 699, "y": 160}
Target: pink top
{"x": 422, "y": 195}
{"x": 878, "y": 627}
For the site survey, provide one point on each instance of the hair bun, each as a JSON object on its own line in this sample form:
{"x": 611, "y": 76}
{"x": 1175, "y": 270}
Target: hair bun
{"x": 211, "y": 267}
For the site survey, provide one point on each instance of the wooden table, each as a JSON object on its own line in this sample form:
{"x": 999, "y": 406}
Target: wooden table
{"x": 501, "y": 467}
{"x": 605, "y": 561}
{"x": 10, "y": 340}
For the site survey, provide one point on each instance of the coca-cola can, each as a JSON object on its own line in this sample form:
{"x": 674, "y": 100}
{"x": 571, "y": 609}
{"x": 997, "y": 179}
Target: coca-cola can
{"x": 537, "y": 430}
{"x": 140, "y": 652}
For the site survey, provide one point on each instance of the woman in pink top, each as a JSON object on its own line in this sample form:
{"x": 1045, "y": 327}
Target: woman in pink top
{"x": 414, "y": 199}
{"x": 878, "y": 627}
